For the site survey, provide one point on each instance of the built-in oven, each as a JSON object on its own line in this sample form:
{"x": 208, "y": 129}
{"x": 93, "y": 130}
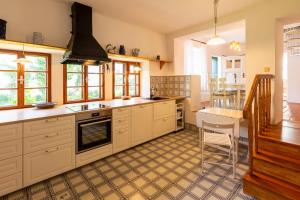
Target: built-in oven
{"x": 93, "y": 129}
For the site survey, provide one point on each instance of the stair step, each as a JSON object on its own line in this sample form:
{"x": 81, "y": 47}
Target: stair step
{"x": 280, "y": 147}
{"x": 281, "y": 169}
{"x": 266, "y": 188}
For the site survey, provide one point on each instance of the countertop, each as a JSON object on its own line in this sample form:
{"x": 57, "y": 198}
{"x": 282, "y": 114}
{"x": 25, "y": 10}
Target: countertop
{"x": 27, "y": 114}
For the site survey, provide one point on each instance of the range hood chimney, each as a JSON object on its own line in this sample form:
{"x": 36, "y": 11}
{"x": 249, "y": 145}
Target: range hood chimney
{"x": 83, "y": 48}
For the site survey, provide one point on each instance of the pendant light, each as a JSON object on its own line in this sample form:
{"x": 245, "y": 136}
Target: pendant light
{"x": 22, "y": 59}
{"x": 216, "y": 40}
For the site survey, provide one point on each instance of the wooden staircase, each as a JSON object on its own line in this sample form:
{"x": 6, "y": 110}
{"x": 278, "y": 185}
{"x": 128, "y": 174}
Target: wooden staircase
{"x": 274, "y": 150}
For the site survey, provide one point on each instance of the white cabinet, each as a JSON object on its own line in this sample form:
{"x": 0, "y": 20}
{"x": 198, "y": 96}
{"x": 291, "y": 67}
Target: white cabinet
{"x": 141, "y": 123}
{"x": 46, "y": 163}
{"x": 49, "y": 148}
{"x": 10, "y": 158}
{"x": 164, "y": 118}
{"x": 164, "y": 125}
{"x": 121, "y": 129}
{"x": 10, "y": 183}
{"x": 164, "y": 109}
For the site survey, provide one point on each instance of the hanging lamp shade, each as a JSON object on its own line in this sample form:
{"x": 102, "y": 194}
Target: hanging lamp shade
{"x": 22, "y": 59}
{"x": 216, "y": 40}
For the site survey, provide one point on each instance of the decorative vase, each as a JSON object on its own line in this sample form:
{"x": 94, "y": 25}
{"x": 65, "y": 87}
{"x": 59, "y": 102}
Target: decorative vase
{"x": 122, "y": 50}
{"x": 2, "y": 29}
{"x": 135, "y": 52}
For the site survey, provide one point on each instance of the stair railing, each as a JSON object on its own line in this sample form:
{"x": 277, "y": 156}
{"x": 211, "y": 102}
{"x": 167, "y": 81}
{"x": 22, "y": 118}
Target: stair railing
{"x": 257, "y": 111}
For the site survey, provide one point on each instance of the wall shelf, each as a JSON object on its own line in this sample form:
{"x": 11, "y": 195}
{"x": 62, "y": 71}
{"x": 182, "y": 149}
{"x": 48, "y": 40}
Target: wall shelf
{"x": 138, "y": 59}
{"x": 17, "y": 45}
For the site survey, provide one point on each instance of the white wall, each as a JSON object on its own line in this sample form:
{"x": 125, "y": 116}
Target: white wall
{"x": 293, "y": 80}
{"x": 52, "y": 19}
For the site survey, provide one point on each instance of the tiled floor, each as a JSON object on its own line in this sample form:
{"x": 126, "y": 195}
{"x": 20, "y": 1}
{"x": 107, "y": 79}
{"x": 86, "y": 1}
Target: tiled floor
{"x": 165, "y": 168}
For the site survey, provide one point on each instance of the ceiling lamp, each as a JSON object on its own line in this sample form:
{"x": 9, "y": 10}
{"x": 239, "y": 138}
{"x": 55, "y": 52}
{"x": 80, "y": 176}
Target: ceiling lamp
{"x": 235, "y": 45}
{"x": 22, "y": 59}
{"x": 216, "y": 40}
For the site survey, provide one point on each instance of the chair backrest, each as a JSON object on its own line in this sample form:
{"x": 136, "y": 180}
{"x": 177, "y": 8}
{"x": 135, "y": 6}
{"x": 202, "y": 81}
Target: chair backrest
{"x": 227, "y": 129}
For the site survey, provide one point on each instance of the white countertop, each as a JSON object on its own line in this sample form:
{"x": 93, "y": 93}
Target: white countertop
{"x": 19, "y": 115}
{"x": 236, "y": 114}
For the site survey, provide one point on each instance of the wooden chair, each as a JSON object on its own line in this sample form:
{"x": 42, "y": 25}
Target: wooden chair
{"x": 221, "y": 137}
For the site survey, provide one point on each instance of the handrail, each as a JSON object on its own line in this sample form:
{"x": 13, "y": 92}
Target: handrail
{"x": 257, "y": 111}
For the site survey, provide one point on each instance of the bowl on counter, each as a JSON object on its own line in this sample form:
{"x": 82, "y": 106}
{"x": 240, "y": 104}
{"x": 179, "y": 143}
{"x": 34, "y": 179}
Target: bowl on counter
{"x": 44, "y": 105}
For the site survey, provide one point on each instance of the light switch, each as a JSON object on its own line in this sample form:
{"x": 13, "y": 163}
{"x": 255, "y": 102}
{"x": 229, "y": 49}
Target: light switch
{"x": 267, "y": 69}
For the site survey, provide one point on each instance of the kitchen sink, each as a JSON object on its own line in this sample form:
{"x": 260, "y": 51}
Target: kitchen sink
{"x": 156, "y": 98}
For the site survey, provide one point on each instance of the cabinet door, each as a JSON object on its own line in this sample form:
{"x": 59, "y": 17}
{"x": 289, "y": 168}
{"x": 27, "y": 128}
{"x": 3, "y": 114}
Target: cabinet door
{"x": 10, "y": 183}
{"x": 10, "y": 132}
{"x": 121, "y": 139}
{"x": 164, "y": 126}
{"x": 164, "y": 109}
{"x": 47, "y": 163}
{"x": 141, "y": 123}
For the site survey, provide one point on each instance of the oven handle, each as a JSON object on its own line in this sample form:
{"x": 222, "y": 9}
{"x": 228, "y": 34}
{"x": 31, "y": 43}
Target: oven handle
{"x": 100, "y": 122}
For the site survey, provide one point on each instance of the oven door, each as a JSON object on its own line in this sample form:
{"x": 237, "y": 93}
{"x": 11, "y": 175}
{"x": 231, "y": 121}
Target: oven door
{"x": 93, "y": 133}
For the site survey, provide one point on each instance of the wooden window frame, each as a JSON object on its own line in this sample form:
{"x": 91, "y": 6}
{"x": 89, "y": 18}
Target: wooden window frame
{"x": 20, "y": 73}
{"x": 127, "y": 73}
{"x": 85, "y": 85}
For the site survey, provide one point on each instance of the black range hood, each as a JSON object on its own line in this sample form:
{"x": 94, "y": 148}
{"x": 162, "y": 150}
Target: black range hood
{"x": 83, "y": 48}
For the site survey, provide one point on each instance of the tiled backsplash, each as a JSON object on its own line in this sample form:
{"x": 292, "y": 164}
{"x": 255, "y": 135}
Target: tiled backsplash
{"x": 171, "y": 85}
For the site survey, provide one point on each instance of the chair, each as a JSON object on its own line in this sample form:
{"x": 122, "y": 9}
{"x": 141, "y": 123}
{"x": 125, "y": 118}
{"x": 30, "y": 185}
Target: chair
{"x": 221, "y": 137}
{"x": 219, "y": 93}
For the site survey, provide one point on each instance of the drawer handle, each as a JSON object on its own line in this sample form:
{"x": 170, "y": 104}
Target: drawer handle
{"x": 165, "y": 119}
{"x": 51, "y": 150}
{"x": 51, "y": 135}
{"x": 120, "y": 132}
{"x": 51, "y": 120}
{"x": 120, "y": 120}
{"x": 141, "y": 106}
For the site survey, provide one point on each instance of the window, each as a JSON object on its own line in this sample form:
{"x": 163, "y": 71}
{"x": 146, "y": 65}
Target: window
{"x": 23, "y": 85}
{"x": 126, "y": 79}
{"x": 83, "y": 83}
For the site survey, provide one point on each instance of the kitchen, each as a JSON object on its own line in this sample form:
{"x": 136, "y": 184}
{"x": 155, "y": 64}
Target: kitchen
{"x": 96, "y": 101}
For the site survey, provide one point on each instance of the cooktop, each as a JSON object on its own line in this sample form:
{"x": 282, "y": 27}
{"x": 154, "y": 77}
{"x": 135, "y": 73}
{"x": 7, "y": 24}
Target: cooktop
{"x": 86, "y": 107}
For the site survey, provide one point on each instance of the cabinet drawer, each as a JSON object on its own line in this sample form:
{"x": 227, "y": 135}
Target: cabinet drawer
{"x": 164, "y": 109}
{"x": 10, "y": 132}
{"x": 10, "y": 149}
{"x": 50, "y": 125}
{"x": 93, "y": 155}
{"x": 40, "y": 142}
{"x": 164, "y": 126}
{"x": 10, "y": 166}
{"x": 121, "y": 140}
{"x": 10, "y": 183}
{"x": 47, "y": 163}
{"x": 121, "y": 112}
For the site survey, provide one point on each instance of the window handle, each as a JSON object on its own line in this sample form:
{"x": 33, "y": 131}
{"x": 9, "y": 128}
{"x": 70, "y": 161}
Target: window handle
{"x": 21, "y": 79}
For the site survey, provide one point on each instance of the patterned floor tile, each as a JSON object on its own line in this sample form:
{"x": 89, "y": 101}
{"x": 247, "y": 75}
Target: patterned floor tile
{"x": 166, "y": 168}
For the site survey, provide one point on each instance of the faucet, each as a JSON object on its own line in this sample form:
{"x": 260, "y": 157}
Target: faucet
{"x": 152, "y": 92}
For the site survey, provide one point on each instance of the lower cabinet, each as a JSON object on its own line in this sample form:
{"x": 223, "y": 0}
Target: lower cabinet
{"x": 10, "y": 183}
{"x": 121, "y": 139}
{"x": 163, "y": 126}
{"x": 141, "y": 123}
{"x": 46, "y": 163}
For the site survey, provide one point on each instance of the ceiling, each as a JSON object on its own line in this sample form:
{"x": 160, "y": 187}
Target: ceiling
{"x": 164, "y": 16}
